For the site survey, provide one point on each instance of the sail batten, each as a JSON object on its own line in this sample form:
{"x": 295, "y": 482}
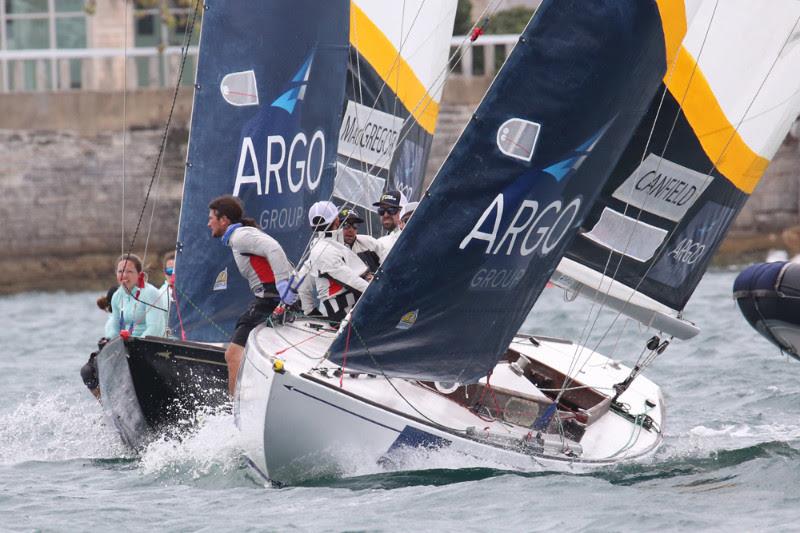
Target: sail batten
{"x": 511, "y": 195}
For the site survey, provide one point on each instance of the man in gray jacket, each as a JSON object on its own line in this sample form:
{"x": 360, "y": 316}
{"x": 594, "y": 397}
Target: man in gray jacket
{"x": 261, "y": 261}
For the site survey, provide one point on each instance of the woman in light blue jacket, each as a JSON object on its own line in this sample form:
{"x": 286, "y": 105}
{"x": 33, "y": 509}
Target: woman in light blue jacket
{"x": 134, "y": 308}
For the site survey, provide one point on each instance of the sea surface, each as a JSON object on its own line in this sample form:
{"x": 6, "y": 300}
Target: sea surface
{"x": 730, "y": 458}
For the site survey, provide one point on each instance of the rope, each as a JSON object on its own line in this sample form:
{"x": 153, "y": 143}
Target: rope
{"x": 184, "y": 55}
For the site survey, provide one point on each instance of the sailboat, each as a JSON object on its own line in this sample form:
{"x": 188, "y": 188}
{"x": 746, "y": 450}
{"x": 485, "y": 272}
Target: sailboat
{"x": 279, "y": 119}
{"x": 610, "y": 154}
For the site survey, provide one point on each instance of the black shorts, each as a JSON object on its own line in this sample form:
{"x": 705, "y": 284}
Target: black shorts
{"x": 257, "y": 313}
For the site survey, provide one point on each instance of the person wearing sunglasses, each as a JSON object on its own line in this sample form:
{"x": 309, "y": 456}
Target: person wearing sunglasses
{"x": 389, "y": 206}
{"x": 332, "y": 270}
{"x": 364, "y": 246}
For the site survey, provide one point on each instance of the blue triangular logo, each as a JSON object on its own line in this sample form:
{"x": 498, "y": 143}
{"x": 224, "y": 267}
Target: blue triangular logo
{"x": 288, "y": 100}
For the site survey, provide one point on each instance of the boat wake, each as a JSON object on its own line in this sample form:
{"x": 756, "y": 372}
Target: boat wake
{"x": 210, "y": 451}
{"x": 704, "y": 456}
{"x": 57, "y": 426}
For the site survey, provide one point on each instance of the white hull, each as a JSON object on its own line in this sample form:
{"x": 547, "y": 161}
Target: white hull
{"x": 300, "y": 423}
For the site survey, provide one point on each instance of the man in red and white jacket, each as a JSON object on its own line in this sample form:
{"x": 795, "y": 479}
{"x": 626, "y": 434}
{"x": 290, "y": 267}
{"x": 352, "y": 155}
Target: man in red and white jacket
{"x": 261, "y": 261}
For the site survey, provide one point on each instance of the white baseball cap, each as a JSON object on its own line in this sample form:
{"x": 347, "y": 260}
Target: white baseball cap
{"x": 409, "y": 208}
{"x": 322, "y": 213}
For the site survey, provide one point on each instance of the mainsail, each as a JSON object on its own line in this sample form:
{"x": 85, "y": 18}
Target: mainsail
{"x": 267, "y": 109}
{"x": 728, "y": 101}
{"x": 496, "y": 220}
{"x": 397, "y": 70}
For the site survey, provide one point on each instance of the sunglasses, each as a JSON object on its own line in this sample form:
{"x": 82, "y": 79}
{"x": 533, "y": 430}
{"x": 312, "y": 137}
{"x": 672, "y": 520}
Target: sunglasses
{"x": 391, "y": 210}
{"x": 348, "y": 225}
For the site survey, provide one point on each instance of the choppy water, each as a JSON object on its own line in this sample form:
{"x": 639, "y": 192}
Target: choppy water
{"x": 731, "y": 457}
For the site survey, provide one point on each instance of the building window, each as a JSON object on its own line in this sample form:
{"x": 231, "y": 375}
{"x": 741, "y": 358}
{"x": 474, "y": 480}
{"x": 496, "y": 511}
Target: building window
{"x": 42, "y": 25}
{"x": 162, "y": 24}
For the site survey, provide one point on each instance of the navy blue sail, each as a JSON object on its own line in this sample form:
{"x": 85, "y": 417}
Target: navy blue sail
{"x": 496, "y": 220}
{"x": 267, "y": 107}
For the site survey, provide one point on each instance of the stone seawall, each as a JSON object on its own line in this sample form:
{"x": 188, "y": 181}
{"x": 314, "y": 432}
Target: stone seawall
{"x": 61, "y": 188}
{"x": 64, "y": 204}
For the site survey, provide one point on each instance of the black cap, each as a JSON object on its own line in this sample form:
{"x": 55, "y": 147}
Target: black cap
{"x": 390, "y": 199}
{"x": 348, "y": 214}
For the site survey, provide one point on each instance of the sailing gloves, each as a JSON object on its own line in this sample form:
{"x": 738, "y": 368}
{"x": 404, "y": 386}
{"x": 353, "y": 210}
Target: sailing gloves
{"x": 287, "y": 293}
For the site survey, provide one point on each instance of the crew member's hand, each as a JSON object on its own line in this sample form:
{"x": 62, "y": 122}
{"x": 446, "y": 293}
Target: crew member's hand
{"x": 287, "y": 294}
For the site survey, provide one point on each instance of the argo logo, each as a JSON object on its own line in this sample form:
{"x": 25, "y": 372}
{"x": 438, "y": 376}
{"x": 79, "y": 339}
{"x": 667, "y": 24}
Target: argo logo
{"x": 531, "y": 230}
{"x": 287, "y": 163}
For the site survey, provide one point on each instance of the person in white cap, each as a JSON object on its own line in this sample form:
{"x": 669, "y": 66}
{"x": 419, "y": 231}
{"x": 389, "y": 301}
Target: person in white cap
{"x": 389, "y": 206}
{"x": 335, "y": 271}
{"x": 406, "y": 212}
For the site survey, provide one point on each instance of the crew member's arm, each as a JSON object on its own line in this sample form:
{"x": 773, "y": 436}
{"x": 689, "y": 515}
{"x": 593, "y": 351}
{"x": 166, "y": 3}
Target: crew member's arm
{"x": 306, "y": 289}
{"x": 344, "y": 274}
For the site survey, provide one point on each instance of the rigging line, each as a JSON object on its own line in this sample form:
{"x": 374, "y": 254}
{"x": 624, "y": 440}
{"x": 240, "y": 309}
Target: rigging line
{"x": 389, "y": 381}
{"x": 709, "y": 176}
{"x": 152, "y": 212}
{"x": 403, "y": 39}
{"x": 184, "y": 55}
{"x": 396, "y": 61}
{"x": 627, "y": 204}
{"x": 441, "y": 78}
{"x": 207, "y": 318}
{"x": 124, "y": 118}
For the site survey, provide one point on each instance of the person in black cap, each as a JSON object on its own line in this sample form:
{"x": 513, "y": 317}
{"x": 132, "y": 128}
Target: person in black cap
{"x": 332, "y": 270}
{"x": 389, "y": 206}
{"x": 364, "y": 246}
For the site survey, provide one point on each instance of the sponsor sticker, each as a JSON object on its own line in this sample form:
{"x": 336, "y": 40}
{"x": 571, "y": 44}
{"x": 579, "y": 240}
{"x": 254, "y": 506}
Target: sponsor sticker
{"x": 517, "y": 138}
{"x": 221, "y": 283}
{"x": 663, "y": 188}
{"x": 369, "y": 135}
{"x": 240, "y": 88}
{"x": 408, "y": 320}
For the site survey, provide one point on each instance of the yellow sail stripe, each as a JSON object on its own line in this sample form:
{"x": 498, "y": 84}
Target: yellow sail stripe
{"x": 673, "y": 23}
{"x": 721, "y": 142}
{"x": 381, "y": 54}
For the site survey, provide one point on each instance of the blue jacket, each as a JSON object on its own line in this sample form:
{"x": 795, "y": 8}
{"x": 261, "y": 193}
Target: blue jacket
{"x": 129, "y": 311}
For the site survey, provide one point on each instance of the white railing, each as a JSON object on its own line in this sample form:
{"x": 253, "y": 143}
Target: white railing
{"x": 106, "y": 69}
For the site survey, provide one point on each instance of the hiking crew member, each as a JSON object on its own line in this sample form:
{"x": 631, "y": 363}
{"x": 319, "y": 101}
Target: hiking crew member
{"x": 337, "y": 274}
{"x": 261, "y": 261}
{"x": 364, "y": 246}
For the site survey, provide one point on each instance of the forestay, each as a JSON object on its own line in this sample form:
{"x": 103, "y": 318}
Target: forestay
{"x": 495, "y": 222}
{"x": 731, "y": 96}
{"x": 397, "y": 70}
{"x": 267, "y": 108}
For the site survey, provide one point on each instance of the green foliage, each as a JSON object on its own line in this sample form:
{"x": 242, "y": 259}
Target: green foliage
{"x": 463, "y": 17}
{"x": 511, "y": 20}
